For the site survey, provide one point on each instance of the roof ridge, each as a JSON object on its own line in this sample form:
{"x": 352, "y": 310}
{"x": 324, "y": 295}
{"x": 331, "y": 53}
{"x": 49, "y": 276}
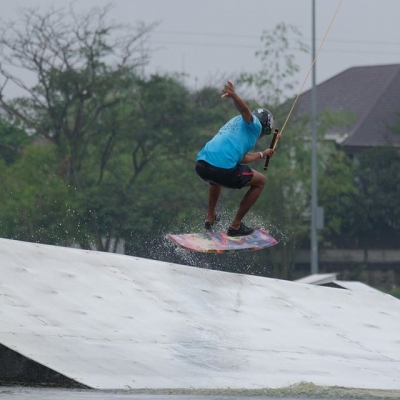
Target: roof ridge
{"x": 352, "y": 68}
{"x": 378, "y": 98}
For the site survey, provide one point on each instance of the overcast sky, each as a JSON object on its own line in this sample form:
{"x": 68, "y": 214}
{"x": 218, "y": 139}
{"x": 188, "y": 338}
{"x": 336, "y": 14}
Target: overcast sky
{"x": 211, "y": 38}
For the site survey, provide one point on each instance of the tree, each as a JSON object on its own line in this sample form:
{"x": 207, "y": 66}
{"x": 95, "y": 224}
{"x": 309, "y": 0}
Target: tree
{"x": 155, "y": 134}
{"x": 80, "y": 71}
{"x": 276, "y": 78}
{"x": 34, "y": 200}
{"x": 12, "y": 140}
{"x": 82, "y": 74}
{"x": 374, "y": 219}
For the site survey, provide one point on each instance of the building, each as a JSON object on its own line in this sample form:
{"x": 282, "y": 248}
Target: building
{"x": 372, "y": 95}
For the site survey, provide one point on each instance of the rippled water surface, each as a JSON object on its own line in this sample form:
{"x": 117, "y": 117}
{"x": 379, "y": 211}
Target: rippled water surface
{"x": 296, "y": 392}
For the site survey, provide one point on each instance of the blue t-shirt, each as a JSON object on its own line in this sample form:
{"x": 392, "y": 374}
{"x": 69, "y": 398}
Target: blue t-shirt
{"x": 228, "y": 147}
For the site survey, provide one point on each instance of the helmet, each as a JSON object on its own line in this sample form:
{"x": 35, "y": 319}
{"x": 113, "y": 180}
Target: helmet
{"x": 266, "y": 119}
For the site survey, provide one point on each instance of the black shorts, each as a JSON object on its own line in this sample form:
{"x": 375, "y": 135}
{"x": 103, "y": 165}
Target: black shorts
{"x": 234, "y": 178}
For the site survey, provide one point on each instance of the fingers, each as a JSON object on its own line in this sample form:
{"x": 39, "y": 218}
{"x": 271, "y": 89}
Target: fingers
{"x": 269, "y": 152}
{"x": 228, "y": 89}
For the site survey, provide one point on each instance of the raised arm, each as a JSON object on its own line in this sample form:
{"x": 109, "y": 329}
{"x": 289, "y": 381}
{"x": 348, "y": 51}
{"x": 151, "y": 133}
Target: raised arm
{"x": 241, "y": 106}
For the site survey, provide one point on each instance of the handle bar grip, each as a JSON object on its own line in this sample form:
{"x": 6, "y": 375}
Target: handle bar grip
{"x": 272, "y": 146}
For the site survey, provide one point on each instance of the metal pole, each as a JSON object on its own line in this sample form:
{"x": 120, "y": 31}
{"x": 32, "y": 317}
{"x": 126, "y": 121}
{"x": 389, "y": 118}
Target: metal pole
{"x": 314, "y": 166}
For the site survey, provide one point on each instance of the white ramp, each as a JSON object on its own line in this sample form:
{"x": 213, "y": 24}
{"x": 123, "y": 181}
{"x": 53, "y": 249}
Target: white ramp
{"x": 113, "y": 321}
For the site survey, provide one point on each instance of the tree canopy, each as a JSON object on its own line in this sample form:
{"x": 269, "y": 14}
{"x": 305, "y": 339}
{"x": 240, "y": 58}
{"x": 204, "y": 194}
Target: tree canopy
{"x": 97, "y": 155}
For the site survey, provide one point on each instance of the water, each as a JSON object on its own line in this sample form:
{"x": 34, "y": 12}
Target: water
{"x": 239, "y": 262}
{"x": 295, "y": 392}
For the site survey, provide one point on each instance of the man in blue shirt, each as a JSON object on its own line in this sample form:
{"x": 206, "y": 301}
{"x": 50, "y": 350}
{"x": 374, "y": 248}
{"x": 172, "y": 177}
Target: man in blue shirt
{"x": 221, "y": 162}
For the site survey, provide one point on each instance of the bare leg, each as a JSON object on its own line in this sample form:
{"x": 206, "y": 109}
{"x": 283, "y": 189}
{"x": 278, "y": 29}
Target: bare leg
{"x": 213, "y": 196}
{"x": 256, "y": 187}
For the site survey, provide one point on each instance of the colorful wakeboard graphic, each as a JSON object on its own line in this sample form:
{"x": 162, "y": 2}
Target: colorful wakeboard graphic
{"x": 219, "y": 242}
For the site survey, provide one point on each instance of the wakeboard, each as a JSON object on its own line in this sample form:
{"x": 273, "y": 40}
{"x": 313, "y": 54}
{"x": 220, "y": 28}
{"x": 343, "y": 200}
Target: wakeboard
{"x": 220, "y": 242}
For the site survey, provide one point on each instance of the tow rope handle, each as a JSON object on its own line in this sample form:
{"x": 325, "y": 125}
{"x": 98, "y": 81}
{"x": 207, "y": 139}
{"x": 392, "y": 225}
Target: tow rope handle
{"x": 272, "y": 146}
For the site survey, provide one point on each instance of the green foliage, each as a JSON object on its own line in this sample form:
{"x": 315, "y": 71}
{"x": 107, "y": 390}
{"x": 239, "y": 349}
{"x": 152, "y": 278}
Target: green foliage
{"x": 336, "y": 187}
{"x": 12, "y": 141}
{"x": 395, "y": 292}
{"x": 376, "y": 213}
{"x": 81, "y": 72}
{"x": 34, "y": 200}
{"x": 337, "y": 191}
{"x": 276, "y": 76}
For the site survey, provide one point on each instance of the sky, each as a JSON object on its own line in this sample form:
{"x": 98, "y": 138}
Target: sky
{"x": 210, "y": 40}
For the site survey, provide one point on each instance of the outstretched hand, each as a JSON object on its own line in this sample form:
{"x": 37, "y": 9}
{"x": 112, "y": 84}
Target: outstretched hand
{"x": 228, "y": 89}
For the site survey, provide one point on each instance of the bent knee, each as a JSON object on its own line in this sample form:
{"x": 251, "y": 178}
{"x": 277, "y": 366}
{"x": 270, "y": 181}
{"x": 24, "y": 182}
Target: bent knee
{"x": 259, "y": 180}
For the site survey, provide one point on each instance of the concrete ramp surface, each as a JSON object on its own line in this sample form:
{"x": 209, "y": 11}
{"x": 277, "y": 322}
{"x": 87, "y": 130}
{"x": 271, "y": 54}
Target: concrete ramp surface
{"x": 112, "y": 321}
